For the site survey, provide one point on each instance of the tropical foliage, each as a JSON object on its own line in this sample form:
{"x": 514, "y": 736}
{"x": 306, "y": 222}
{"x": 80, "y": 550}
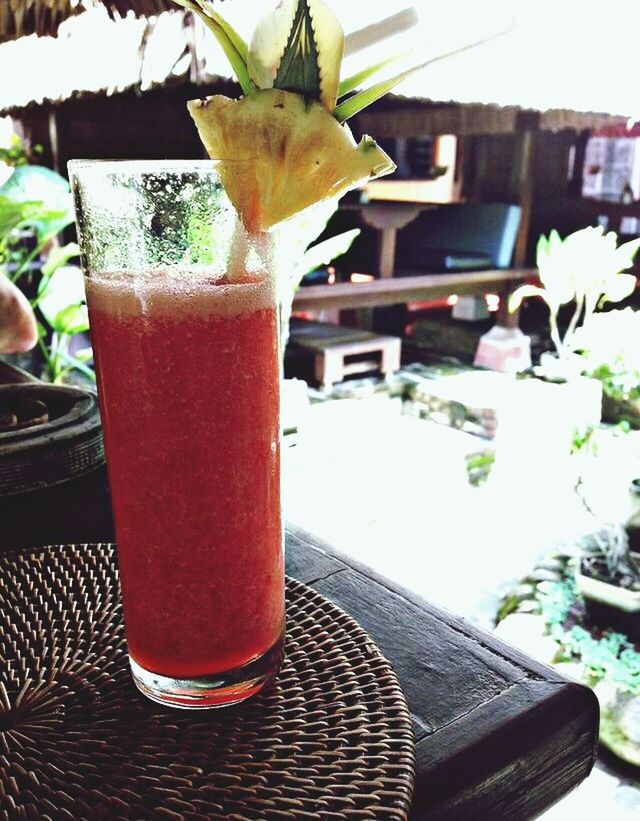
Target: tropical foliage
{"x": 609, "y": 656}
{"x": 610, "y": 345}
{"x": 31, "y": 256}
{"x": 587, "y": 269}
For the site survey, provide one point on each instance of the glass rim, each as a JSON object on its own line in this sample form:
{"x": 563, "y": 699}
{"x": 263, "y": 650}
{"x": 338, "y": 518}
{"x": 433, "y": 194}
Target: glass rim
{"x": 133, "y": 166}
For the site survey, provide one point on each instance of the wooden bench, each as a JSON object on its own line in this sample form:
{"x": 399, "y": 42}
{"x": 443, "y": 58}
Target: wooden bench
{"x": 339, "y": 352}
{"x": 405, "y": 289}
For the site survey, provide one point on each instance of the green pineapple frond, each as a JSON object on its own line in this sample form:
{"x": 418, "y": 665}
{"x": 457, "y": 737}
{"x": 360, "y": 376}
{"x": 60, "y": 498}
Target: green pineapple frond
{"x": 299, "y": 70}
{"x": 299, "y": 47}
{"x": 353, "y": 82}
{"x": 234, "y": 47}
{"x": 363, "y": 99}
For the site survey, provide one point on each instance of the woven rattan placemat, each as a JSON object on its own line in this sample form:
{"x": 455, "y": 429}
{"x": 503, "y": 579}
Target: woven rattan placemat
{"x": 330, "y": 740}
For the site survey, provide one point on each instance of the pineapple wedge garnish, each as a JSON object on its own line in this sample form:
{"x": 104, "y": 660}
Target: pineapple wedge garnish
{"x": 285, "y": 146}
{"x": 281, "y": 155}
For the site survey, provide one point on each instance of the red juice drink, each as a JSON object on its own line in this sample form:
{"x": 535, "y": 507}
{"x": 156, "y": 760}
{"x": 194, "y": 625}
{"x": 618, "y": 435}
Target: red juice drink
{"x": 184, "y": 326}
{"x": 188, "y": 375}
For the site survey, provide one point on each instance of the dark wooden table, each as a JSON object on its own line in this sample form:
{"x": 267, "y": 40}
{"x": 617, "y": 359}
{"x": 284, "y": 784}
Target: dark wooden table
{"x": 498, "y": 736}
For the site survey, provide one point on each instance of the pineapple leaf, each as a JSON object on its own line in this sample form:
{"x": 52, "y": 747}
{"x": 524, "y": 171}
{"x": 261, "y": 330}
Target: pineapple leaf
{"x": 234, "y": 47}
{"x": 351, "y": 83}
{"x": 523, "y": 292}
{"x": 542, "y": 250}
{"x": 324, "y": 253}
{"x": 298, "y": 70}
{"x": 238, "y": 42}
{"x": 369, "y": 96}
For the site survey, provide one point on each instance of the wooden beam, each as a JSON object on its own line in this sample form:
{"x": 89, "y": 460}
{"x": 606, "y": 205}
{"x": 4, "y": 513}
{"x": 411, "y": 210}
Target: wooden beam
{"x": 407, "y": 289}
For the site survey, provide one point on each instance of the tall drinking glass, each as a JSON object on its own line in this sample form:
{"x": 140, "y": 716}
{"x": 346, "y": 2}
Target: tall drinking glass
{"x": 182, "y": 303}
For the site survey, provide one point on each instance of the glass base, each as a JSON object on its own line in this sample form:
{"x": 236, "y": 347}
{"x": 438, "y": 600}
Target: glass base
{"x": 210, "y": 692}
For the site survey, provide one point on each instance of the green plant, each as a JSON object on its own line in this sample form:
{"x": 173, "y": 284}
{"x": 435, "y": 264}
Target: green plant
{"x": 583, "y": 440}
{"x": 16, "y": 153}
{"x": 62, "y": 315}
{"x": 588, "y": 440}
{"x": 585, "y": 268}
{"x": 618, "y": 382}
{"x": 299, "y": 255}
{"x": 610, "y": 345}
{"x": 57, "y": 292}
{"x": 609, "y": 547}
{"x": 479, "y": 467}
{"x": 609, "y": 656}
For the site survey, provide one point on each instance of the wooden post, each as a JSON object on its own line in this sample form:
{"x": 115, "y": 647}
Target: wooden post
{"x": 388, "y": 218}
{"x": 479, "y": 168}
{"x": 387, "y": 253}
{"x": 54, "y": 139}
{"x": 505, "y": 347}
{"x": 526, "y": 129}
{"x": 574, "y": 187}
{"x": 524, "y": 184}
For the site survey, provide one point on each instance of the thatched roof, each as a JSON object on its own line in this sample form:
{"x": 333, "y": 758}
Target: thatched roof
{"x": 574, "y": 76}
{"x": 557, "y": 58}
{"x": 20, "y": 18}
{"x": 415, "y": 117}
{"x": 94, "y": 54}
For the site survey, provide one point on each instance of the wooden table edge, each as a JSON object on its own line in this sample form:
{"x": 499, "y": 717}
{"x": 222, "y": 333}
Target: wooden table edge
{"x": 532, "y": 702}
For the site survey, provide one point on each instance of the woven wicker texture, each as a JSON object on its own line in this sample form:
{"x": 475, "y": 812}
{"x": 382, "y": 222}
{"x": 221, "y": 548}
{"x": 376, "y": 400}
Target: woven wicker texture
{"x": 330, "y": 740}
{"x": 68, "y": 445}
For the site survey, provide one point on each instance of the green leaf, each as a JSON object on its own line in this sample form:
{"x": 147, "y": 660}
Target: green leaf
{"x": 350, "y": 84}
{"x": 59, "y": 256}
{"x": 65, "y": 288}
{"x": 78, "y": 364}
{"x": 555, "y": 240}
{"x": 542, "y": 250}
{"x": 237, "y": 41}
{"x": 369, "y": 96}
{"x": 298, "y": 70}
{"x": 523, "y": 292}
{"x": 619, "y": 287}
{"x": 325, "y": 252}
{"x": 14, "y": 215}
{"x": 232, "y": 44}
{"x": 626, "y": 253}
{"x": 303, "y": 229}
{"x": 84, "y": 354}
{"x": 268, "y": 43}
{"x": 73, "y": 319}
{"x": 364, "y": 99}
{"x": 299, "y": 47}
{"x": 35, "y": 184}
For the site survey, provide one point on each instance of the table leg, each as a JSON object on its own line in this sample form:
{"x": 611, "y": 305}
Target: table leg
{"x": 390, "y": 357}
{"x": 329, "y": 368}
{"x": 387, "y": 257}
